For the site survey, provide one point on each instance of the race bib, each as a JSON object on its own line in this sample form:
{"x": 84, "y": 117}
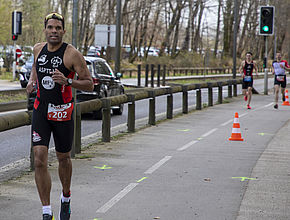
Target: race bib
{"x": 247, "y": 78}
{"x": 280, "y": 78}
{"x": 59, "y": 112}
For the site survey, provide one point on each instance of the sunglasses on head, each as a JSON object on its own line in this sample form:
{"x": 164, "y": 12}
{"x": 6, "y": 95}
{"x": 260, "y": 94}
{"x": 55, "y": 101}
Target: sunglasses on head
{"x": 54, "y": 15}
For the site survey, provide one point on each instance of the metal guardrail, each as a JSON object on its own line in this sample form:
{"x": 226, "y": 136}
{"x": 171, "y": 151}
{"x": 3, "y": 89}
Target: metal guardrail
{"x": 14, "y": 120}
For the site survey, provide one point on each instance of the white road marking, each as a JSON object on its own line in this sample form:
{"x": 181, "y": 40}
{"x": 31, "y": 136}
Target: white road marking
{"x": 117, "y": 198}
{"x": 227, "y": 122}
{"x": 157, "y": 165}
{"x": 184, "y": 147}
{"x": 208, "y": 133}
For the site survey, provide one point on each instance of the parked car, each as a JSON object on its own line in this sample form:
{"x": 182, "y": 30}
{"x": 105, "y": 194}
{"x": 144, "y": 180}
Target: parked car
{"x": 24, "y": 72}
{"x": 106, "y": 83}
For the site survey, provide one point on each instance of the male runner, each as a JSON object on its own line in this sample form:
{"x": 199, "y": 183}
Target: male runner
{"x": 279, "y": 67}
{"x": 246, "y": 70}
{"x": 55, "y": 64}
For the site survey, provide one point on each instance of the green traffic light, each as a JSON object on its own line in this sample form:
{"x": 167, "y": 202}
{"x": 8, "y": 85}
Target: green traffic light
{"x": 266, "y": 28}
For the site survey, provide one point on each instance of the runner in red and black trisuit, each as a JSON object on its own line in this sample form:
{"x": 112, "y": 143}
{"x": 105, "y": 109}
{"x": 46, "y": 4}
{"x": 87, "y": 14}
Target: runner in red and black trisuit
{"x": 246, "y": 70}
{"x": 55, "y": 64}
{"x": 279, "y": 67}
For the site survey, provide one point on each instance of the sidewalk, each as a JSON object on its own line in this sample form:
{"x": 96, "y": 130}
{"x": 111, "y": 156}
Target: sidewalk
{"x": 101, "y": 170}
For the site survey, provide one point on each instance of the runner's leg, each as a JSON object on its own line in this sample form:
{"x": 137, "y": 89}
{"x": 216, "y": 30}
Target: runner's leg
{"x": 65, "y": 170}
{"x": 42, "y": 176}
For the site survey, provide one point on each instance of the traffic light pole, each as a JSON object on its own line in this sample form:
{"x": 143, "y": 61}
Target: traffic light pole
{"x": 266, "y": 69}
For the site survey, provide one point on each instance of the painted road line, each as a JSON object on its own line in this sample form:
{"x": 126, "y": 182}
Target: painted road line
{"x": 117, "y": 198}
{"x": 208, "y": 133}
{"x": 184, "y": 147}
{"x": 157, "y": 165}
{"x": 227, "y": 122}
{"x": 266, "y": 106}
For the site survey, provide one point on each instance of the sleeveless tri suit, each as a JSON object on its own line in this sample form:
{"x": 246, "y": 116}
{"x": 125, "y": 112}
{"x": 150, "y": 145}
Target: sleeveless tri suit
{"x": 53, "y": 106}
{"x": 280, "y": 75}
{"x": 248, "y": 75}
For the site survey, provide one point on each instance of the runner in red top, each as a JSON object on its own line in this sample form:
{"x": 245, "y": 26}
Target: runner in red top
{"x": 246, "y": 70}
{"x": 55, "y": 64}
{"x": 279, "y": 67}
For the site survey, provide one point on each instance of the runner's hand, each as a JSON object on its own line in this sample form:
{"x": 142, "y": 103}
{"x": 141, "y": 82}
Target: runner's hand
{"x": 30, "y": 87}
{"x": 59, "y": 78}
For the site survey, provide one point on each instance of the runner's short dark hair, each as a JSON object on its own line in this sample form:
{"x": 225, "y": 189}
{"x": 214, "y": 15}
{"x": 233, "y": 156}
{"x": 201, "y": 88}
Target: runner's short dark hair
{"x": 54, "y": 15}
{"x": 249, "y": 53}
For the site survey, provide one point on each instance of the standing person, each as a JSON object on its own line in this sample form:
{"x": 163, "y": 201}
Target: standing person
{"x": 246, "y": 70}
{"x": 55, "y": 63}
{"x": 279, "y": 67}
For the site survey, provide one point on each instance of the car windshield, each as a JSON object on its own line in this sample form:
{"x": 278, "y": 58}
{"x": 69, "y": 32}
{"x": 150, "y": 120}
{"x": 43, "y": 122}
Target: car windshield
{"x": 90, "y": 67}
{"x": 30, "y": 60}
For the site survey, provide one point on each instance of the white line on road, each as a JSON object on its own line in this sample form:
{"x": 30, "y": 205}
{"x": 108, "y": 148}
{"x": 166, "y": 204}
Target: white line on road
{"x": 117, "y": 198}
{"x": 157, "y": 165}
{"x": 227, "y": 122}
{"x": 209, "y": 132}
{"x": 184, "y": 147}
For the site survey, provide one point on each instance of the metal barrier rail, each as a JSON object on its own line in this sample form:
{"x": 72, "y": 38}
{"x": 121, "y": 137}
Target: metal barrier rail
{"x": 14, "y": 120}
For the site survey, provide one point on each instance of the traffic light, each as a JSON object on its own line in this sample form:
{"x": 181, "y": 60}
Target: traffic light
{"x": 266, "y": 20}
{"x": 16, "y": 24}
{"x": 14, "y": 37}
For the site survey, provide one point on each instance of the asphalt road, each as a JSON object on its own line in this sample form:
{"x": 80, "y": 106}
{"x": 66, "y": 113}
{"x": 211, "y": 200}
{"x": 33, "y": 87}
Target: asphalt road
{"x": 185, "y": 168}
{"x": 15, "y": 143}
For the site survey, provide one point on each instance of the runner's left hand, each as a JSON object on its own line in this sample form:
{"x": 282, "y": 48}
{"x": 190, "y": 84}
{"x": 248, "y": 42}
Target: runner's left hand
{"x": 59, "y": 78}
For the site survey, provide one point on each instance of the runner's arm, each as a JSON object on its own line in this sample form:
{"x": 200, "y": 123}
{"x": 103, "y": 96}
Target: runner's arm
{"x": 256, "y": 69}
{"x": 79, "y": 65}
{"x": 241, "y": 68}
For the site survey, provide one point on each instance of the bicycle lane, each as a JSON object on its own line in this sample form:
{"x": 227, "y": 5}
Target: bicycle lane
{"x": 184, "y": 168}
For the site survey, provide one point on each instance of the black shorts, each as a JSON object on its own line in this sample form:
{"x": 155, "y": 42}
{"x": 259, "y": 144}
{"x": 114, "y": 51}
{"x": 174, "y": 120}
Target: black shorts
{"x": 280, "y": 80}
{"x": 246, "y": 85}
{"x": 42, "y": 128}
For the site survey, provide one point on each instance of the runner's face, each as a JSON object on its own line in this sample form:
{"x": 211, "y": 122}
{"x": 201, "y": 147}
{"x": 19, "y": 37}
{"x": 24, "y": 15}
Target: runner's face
{"x": 248, "y": 57}
{"x": 278, "y": 56}
{"x": 54, "y": 31}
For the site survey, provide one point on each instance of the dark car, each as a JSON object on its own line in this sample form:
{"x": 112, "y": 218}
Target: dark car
{"x": 24, "y": 72}
{"x": 106, "y": 84}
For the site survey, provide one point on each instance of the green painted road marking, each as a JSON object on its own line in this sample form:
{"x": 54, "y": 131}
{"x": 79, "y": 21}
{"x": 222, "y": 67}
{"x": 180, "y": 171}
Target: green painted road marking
{"x": 103, "y": 167}
{"x": 140, "y": 180}
{"x": 183, "y": 130}
{"x": 262, "y": 134}
{"x": 244, "y": 178}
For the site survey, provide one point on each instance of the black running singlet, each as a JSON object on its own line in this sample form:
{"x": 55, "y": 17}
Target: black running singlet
{"x": 248, "y": 69}
{"x": 49, "y": 91}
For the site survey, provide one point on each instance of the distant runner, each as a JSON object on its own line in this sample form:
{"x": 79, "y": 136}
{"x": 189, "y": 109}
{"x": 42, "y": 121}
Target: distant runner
{"x": 279, "y": 67}
{"x": 246, "y": 70}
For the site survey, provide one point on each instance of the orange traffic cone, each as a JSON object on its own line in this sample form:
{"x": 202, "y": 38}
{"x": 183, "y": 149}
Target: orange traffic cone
{"x": 286, "y": 102}
{"x": 236, "y": 132}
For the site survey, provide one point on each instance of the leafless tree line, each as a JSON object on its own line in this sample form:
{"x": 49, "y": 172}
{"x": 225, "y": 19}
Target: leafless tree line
{"x": 174, "y": 26}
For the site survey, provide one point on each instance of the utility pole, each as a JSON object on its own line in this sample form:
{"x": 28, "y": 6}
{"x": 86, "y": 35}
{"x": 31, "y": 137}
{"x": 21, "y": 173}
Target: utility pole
{"x": 74, "y": 43}
{"x": 235, "y": 39}
{"x": 118, "y": 37}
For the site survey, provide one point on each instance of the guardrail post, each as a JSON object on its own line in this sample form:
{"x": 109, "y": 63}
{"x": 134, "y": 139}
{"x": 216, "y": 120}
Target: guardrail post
{"x": 198, "y": 99}
{"x": 152, "y": 120}
{"x": 131, "y": 113}
{"x": 158, "y": 75}
{"x": 152, "y": 75}
{"x": 139, "y": 75}
{"x": 210, "y": 94}
{"x": 220, "y": 93}
{"x": 230, "y": 90}
{"x": 235, "y": 88}
{"x": 146, "y": 74}
{"x": 78, "y": 133}
{"x": 184, "y": 99}
{"x": 106, "y": 119}
{"x": 169, "y": 113}
{"x": 163, "y": 75}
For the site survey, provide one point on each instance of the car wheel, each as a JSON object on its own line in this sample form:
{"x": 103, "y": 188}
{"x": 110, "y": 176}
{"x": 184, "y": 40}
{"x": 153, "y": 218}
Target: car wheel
{"x": 118, "y": 111}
